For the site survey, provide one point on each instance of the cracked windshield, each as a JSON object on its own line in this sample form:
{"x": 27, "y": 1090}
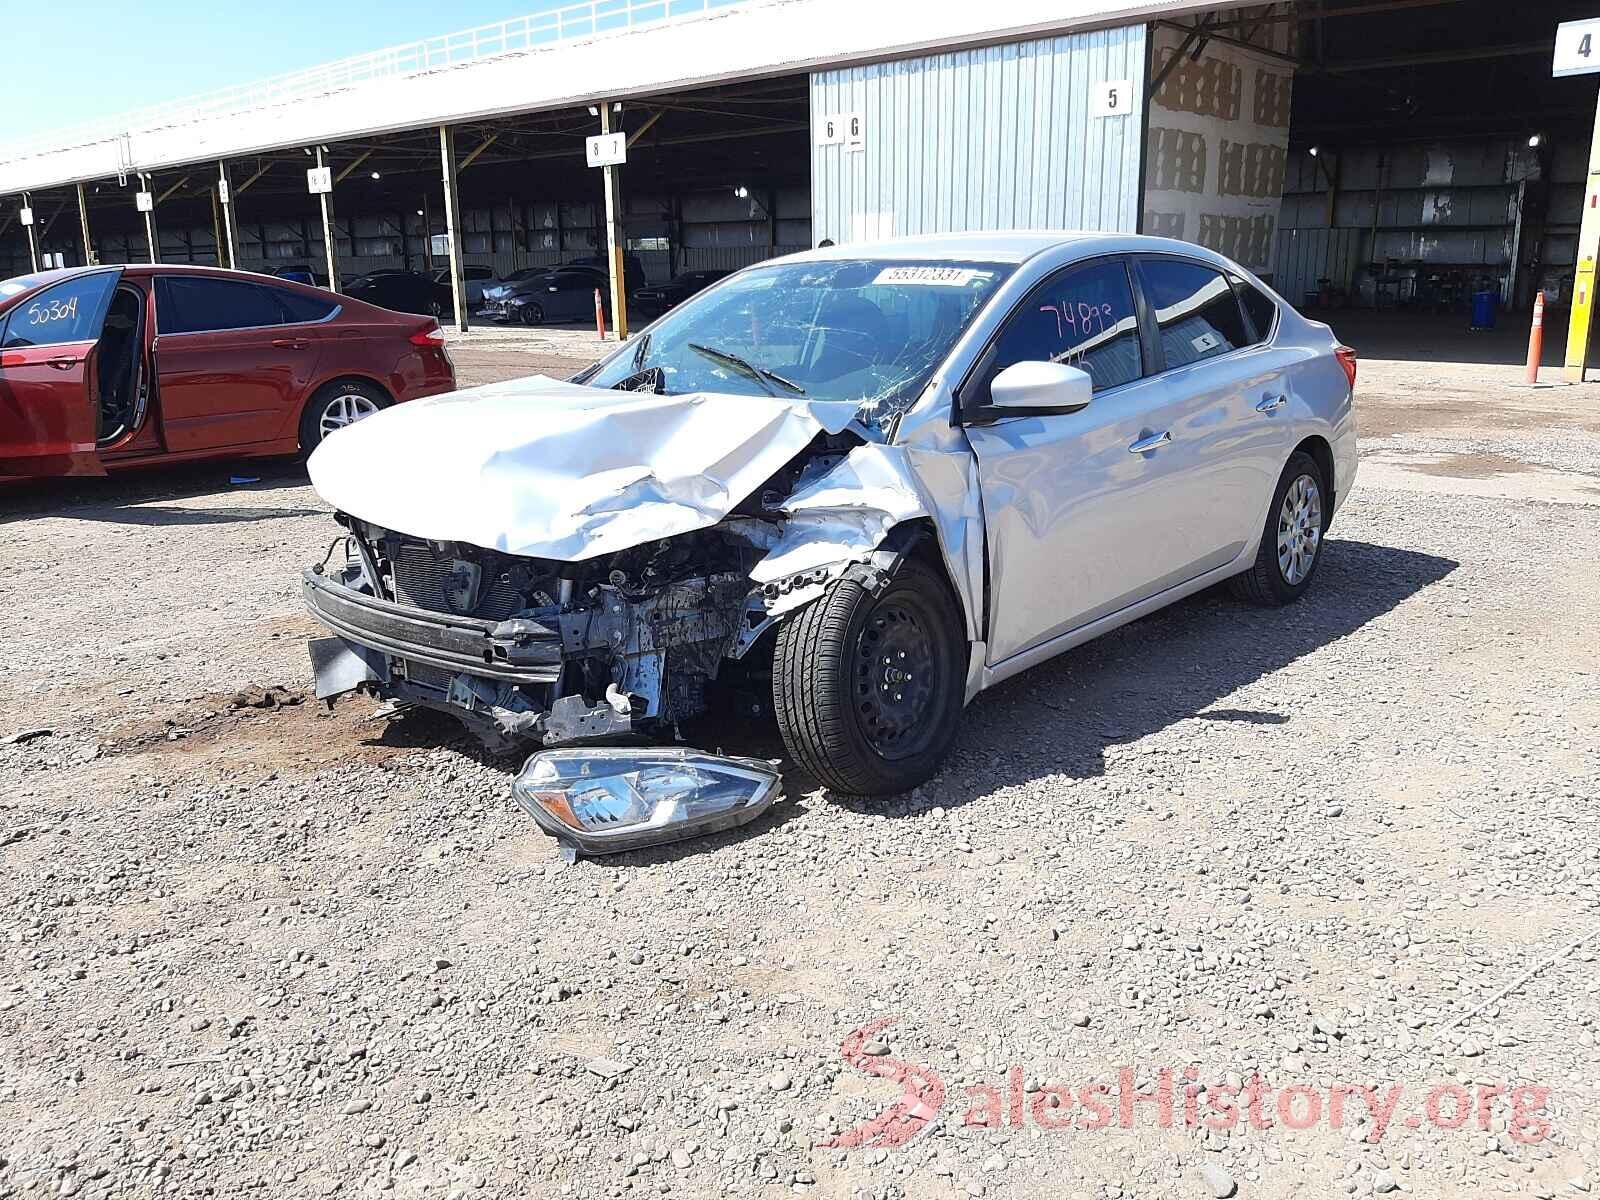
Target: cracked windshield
{"x": 864, "y": 330}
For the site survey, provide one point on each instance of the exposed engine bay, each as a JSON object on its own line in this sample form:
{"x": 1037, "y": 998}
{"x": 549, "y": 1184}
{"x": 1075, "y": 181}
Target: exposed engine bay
{"x": 532, "y": 652}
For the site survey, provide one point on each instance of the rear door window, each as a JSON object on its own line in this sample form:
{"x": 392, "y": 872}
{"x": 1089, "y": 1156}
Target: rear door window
{"x": 1195, "y": 310}
{"x": 1084, "y": 317}
{"x": 1258, "y": 306}
{"x": 71, "y": 311}
{"x": 200, "y": 304}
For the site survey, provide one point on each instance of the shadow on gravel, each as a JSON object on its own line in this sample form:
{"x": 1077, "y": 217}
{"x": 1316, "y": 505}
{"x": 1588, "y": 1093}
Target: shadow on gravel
{"x": 1172, "y": 666}
{"x": 115, "y": 499}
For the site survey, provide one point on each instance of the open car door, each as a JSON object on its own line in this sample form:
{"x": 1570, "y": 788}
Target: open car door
{"x": 48, "y": 407}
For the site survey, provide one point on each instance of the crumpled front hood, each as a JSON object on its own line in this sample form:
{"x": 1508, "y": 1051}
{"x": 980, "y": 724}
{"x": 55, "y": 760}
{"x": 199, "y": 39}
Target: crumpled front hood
{"x": 556, "y": 470}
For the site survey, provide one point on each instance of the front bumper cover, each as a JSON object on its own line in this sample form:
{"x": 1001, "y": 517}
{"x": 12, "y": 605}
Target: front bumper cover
{"x": 521, "y": 651}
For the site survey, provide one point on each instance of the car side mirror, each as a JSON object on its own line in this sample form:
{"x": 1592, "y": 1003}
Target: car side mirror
{"x": 1040, "y": 388}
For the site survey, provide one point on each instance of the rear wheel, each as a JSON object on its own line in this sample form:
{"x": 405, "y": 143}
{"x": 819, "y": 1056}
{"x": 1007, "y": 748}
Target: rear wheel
{"x": 1291, "y": 543}
{"x": 337, "y": 405}
{"x": 868, "y": 690}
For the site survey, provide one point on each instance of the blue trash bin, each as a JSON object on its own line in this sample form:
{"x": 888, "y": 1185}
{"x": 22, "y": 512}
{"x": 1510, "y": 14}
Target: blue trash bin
{"x": 1483, "y": 309}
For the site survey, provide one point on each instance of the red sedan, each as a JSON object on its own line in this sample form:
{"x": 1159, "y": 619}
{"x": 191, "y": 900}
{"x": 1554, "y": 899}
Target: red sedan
{"x": 110, "y": 367}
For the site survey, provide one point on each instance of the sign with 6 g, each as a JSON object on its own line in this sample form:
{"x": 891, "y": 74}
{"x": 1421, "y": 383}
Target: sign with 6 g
{"x": 842, "y": 129}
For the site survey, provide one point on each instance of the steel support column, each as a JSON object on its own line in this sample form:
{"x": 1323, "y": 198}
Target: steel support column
{"x": 452, "y": 222}
{"x": 619, "y": 292}
{"x": 89, "y": 256}
{"x": 33, "y": 242}
{"x": 150, "y": 220}
{"x": 1588, "y": 248}
{"x": 230, "y": 241}
{"x": 329, "y": 243}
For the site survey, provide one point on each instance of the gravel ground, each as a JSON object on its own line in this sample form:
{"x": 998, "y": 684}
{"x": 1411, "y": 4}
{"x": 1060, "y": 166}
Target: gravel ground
{"x": 256, "y": 948}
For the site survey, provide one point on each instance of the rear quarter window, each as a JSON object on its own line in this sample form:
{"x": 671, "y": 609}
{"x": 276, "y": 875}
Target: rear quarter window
{"x": 299, "y": 308}
{"x": 1261, "y": 308}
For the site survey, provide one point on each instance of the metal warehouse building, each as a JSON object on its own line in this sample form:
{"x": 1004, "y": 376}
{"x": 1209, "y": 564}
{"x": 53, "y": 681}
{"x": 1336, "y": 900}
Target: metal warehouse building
{"x": 1399, "y": 155}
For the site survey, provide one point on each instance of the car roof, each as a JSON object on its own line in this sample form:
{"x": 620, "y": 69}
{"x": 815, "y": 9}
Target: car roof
{"x": 1003, "y": 246}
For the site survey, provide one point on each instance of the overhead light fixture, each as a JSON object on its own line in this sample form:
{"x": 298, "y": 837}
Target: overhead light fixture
{"x": 617, "y": 107}
{"x": 1535, "y": 141}
{"x": 1314, "y": 151}
{"x": 594, "y": 110}
{"x": 377, "y": 175}
{"x": 419, "y": 212}
{"x": 742, "y": 192}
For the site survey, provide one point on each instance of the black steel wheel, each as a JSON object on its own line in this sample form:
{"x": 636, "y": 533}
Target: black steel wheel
{"x": 868, "y": 690}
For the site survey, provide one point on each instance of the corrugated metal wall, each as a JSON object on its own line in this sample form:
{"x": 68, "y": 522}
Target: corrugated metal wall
{"x": 994, "y": 138}
{"x": 1308, "y": 255}
{"x": 1444, "y": 208}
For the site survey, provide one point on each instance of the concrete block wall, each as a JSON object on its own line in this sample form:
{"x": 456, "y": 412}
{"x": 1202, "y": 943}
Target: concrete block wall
{"x": 1217, "y": 145}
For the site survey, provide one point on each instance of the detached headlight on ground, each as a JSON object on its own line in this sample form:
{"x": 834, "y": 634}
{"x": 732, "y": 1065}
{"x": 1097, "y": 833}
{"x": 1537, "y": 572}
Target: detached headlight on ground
{"x": 606, "y": 799}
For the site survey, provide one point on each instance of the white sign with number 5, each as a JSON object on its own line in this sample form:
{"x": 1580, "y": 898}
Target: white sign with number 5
{"x": 1113, "y": 98}
{"x": 1577, "y": 48}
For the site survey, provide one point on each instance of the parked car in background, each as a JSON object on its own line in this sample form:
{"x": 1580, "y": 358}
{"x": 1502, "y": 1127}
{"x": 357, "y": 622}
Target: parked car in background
{"x": 853, "y": 488}
{"x": 301, "y": 273}
{"x": 499, "y": 289}
{"x": 474, "y": 279}
{"x": 403, "y": 291}
{"x": 559, "y": 294}
{"x": 110, "y": 367}
{"x": 632, "y": 268}
{"x": 657, "y": 298}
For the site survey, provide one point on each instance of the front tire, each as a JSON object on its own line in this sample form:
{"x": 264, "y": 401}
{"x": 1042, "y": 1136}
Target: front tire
{"x": 532, "y": 314}
{"x": 1291, "y": 543}
{"x": 868, "y": 690}
{"x": 336, "y": 405}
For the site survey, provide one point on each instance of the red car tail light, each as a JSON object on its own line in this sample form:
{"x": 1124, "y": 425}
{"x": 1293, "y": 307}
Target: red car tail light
{"x": 429, "y": 335}
{"x": 1347, "y": 360}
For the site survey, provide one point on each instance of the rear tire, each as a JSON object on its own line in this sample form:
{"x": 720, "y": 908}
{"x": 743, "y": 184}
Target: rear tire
{"x": 1291, "y": 543}
{"x": 336, "y": 405}
{"x": 868, "y": 690}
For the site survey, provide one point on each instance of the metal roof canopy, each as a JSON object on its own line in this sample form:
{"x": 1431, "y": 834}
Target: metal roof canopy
{"x": 760, "y": 39}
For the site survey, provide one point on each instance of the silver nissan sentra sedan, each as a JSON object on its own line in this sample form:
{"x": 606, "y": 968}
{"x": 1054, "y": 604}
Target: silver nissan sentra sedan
{"x": 851, "y": 488}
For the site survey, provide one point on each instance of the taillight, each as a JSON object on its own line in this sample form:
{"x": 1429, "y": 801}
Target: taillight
{"x": 431, "y": 335}
{"x": 1347, "y": 360}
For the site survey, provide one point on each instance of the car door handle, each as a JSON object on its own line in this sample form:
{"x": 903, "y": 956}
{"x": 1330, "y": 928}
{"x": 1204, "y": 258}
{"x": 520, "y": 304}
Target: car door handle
{"x": 63, "y": 362}
{"x": 1153, "y": 441}
{"x": 1271, "y": 403}
{"x": 290, "y": 343}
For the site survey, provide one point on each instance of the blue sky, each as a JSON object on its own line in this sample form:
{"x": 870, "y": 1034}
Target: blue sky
{"x": 85, "y": 59}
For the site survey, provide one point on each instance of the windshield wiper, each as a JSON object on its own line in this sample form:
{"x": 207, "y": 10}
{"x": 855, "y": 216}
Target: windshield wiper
{"x": 759, "y": 374}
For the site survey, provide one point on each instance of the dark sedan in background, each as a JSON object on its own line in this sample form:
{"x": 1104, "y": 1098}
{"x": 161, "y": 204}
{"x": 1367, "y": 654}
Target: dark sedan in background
{"x": 109, "y": 367}
{"x": 404, "y": 291}
{"x": 656, "y": 298}
{"x": 559, "y": 294}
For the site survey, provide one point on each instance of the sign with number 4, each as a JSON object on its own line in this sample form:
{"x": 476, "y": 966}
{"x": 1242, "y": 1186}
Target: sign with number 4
{"x": 1577, "y": 48}
{"x": 1113, "y": 98}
